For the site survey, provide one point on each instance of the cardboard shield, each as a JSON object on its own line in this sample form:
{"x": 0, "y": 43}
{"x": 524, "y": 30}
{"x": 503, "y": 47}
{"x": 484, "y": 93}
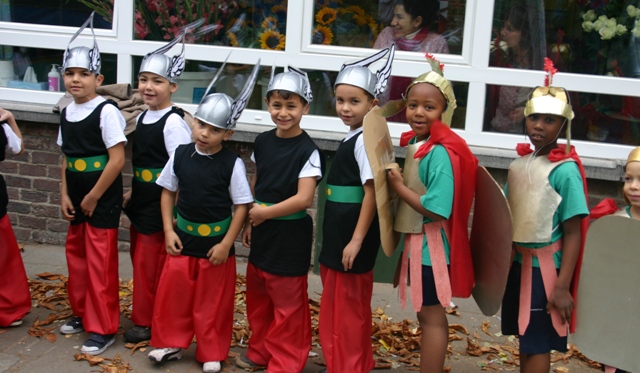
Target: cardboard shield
{"x": 491, "y": 243}
{"x": 379, "y": 148}
{"x": 608, "y": 300}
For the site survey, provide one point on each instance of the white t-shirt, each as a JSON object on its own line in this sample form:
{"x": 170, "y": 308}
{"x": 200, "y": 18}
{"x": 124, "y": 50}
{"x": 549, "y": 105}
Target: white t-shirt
{"x": 361, "y": 156}
{"x": 112, "y": 123}
{"x": 308, "y": 170}
{"x": 176, "y": 130}
{"x": 14, "y": 144}
{"x": 239, "y": 188}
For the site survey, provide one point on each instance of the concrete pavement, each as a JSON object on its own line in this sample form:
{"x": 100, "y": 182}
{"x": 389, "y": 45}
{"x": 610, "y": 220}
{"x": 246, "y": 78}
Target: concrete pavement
{"x": 20, "y": 352}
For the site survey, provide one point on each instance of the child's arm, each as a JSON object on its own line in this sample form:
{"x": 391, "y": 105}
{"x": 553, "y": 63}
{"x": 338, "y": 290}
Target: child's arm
{"x": 111, "y": 171}
{"x": 171, "y": 239}
{"x": 246, "y": 232}
{"x": 367, "y": 212}
{"x": 6, "y": 115}
{"x": 66, "y": 206}
{"x": 220, "y": 252}
{"x": 561, "y": 297}
{"x": 298, "y": 202}
{"x": 409, "y": 196}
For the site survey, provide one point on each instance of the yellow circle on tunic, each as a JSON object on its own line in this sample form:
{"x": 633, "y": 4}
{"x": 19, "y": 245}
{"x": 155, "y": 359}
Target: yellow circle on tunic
{"x": 80, "y": 165}
{"x": 189, "y": 228}
{"x": 70, "y": 165}
{"x": 264, "y": 205}
{"x": 137, "y": 174}
{"x": 157, "y": 175}
{"x": 96, "y": 164}
{"x": 329, "y": 191}
{"x": 204, "y": 230}
{"x": 217, "y": 228}
{"x": 147, "y": 175}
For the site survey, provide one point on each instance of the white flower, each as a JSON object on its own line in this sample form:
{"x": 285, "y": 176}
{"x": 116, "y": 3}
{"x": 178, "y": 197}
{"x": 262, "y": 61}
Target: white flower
{"x": 603, "y": 18}
{"x": 587, "y": 26}
{"x": 621, "y": 29}
{"x": 589, "y": 16}
{"x": 636, "y": 32}
{"x": 599, "y": 24}
{"x": 631, "y": 11}
{"x": 611, "y": 23}
{"x": 607, "y": 33}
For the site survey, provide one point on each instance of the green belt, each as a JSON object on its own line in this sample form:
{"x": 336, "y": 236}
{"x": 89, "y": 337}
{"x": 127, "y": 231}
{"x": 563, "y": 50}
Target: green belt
{"x": 294, "y": 216}
{"x": 203, "y": 230}
{"x": 87, "y": 164}
{"x": 345, "y": 194}
{"x": 146, "y": 175}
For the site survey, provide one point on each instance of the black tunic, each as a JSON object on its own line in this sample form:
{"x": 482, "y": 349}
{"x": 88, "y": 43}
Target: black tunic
{"x": 4, "y": 197}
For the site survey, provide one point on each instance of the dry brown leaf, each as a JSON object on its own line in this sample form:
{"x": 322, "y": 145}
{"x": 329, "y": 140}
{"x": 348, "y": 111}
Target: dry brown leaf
{"x": 93, "y": 360}
{"x": 458, "y": 327}
{"x": 485, "y": 328}
{"x": 561, "y": 370}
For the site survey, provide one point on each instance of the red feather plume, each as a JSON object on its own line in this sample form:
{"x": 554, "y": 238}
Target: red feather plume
{"x": 550, "y": 70}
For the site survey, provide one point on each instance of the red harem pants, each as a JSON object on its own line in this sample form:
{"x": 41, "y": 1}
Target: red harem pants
{"x": 92, "y": 258}
{"x": 345, "y": 321}
{"x": 15, "y": 299}
{"x": 195, "y": 297}
{"x": 147, "y": 256}
{"x": 278, "y": 314}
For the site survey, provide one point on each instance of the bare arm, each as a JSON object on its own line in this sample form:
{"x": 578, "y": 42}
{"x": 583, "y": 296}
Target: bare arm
{"x": 409, "y": 196}
{"x": 220, "y": 252}
{"x": 66, "y": 206}
{"x": 367, "y": 212}
{"x": 111, "y": 171}
{"x": 298, "y": 202}
{"x": 173, "y": 245}
{"x": 246, "y": 232}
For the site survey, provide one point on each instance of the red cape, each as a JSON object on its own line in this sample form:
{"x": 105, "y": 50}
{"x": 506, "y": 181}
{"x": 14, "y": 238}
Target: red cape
{"x": 556, "y": 155}
{"x": 464, "y": 165}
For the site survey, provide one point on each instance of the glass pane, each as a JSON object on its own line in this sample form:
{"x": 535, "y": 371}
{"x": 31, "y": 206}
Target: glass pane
{"x": 40, "y": 61}
{"x": 586, "y": 37}
{"x": 58, "y": 12}
{"x": 598, "y": 117}
{"x": 259, "y": 24}
{"x": 414, "y": 25}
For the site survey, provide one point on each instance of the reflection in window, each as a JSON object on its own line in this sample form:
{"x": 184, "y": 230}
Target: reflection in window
{"x": 59, "y": 12}
{"x": 417, "y": 25}
{"x": 248, "y": 24}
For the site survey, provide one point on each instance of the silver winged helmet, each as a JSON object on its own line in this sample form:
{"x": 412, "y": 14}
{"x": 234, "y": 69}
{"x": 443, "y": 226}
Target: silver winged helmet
{"x": 220, "y": 110}
{"x": 83, "y": 57}
{"x": 294, "y": 80}
{"x": 358, "y": 74}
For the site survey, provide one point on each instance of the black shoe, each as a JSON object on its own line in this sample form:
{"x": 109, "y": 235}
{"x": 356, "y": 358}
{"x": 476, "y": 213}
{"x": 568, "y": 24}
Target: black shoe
{"x": 137, "y": 334}
{"x": 98, "y": 343}
{"x": 73, "y": 326}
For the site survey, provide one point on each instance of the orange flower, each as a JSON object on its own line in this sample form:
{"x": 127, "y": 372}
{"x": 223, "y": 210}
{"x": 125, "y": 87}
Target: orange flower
{"x": 322, "y": 35}
{"x": 326, "y": 16}
{"x": 272, "y": 40}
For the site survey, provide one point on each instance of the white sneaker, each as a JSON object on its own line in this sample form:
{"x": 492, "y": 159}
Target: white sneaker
{"x": 16, "y": 323}
{"x": 161, "y": 355}
{"x": 211, "y": 367}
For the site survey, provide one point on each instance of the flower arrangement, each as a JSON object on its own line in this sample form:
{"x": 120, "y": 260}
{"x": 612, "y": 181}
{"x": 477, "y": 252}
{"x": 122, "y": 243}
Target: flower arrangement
{"x": 611, "y": 21}
{"x": 346, "y": 26}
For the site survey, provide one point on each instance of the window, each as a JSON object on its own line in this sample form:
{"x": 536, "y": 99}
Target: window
{"x": 58, "y": 12}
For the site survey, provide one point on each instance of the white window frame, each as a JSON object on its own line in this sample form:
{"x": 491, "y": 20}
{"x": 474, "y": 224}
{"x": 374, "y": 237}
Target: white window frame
{"x": 471, "y": 66}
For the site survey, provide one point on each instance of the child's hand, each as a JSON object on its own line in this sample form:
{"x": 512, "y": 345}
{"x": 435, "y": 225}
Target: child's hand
{"x": 349, "y": 254}
{"x": 218, "y": 254}
{"x": 5, "y": 115}
{"x": 66, "y": 207}
{"x": 126, "y": 198}
{"x": 394, "y": 177}
{"x": 562, "y": 300}
{"x": 246, "y": 236}
{"x": 173, "y": 243}
{"x": 88, "y": 204}
{"x": 256, "y": 215}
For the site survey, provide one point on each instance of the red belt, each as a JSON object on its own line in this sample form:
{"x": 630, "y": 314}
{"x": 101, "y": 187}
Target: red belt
{"x": 549, "y": 279}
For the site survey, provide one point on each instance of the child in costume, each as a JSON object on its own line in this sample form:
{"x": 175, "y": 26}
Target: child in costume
{"x": 446, "y": 168}
{"x": 159, "y": 131}
{"x": 546, "y": 190}
{"x": 280, "y": 232}
{"x": 92, "y": 139}
{"x": 351, "y": 228}
{"x": 15, "y": 299}
{"x": 196, "y": 290}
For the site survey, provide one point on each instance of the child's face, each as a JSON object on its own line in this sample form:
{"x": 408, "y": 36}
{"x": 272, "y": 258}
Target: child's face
{"x": 287, "y": 113}
{"x": 425, "y": 104}
{"x": 155, "y": 90}
{"x": 631, "y": 188}
{"x": 543, "y": 129}
{"x": 352, "y": 104}
{"x": 208, "y": 138}
{"x": 81, "y": 84}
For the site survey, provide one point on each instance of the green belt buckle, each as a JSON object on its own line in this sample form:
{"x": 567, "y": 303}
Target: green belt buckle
{"x": 345, "y": 194}
{"x": 202, "y": 229}
{"x": 88, "y": 164}
{"x": 294, "y": 216}
{"x": 146, "y": 175}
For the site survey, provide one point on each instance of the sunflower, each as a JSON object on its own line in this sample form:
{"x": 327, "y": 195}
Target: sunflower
{"x": 233, "y": 39}
{"x": 270, "y": 23}
{"x": 322, "y": 35}
{"x": 374, "y": 29}
{"x": 326, "y": 16}
{"x": 360, "y": 21}
{"x": 272, "y": 40}
{"x": 357, "y": 10}
{"x": 278, "y": 8}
